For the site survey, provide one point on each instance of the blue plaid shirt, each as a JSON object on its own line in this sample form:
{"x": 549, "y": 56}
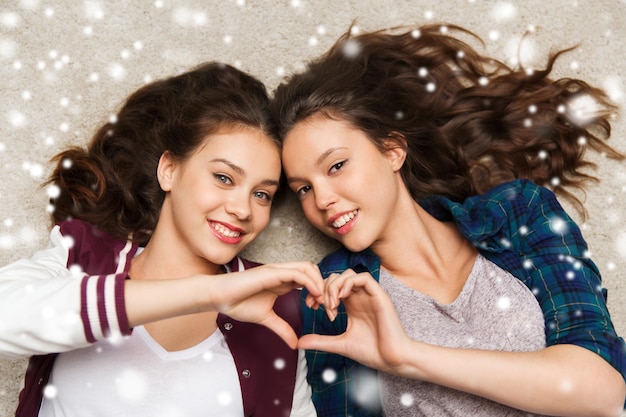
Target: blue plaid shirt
{"x": 520, "y": 227}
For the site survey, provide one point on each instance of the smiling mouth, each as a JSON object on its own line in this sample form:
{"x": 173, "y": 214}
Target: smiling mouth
{"x": 342, "y": 220}
{"x": 224, "y": 231}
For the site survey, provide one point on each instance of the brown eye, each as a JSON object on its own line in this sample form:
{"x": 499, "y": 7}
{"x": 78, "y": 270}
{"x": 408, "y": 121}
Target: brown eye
{"x": 303, "y": 190}
{"x": 336, "y": 167}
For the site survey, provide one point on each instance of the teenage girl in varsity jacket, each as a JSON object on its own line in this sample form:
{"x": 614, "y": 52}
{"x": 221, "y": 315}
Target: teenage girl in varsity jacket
{"x": 130, "y": 310}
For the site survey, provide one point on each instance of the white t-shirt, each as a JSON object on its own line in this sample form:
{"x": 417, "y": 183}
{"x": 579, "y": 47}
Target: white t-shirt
{"x": 135, "y": 376}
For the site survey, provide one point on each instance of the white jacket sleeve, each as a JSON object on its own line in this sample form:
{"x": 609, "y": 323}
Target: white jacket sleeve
{"x": 46, "y": 307}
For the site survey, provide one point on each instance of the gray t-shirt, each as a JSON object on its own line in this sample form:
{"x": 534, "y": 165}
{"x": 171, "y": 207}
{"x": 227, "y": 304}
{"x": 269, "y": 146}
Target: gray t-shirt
{"x": 494, "y": 311}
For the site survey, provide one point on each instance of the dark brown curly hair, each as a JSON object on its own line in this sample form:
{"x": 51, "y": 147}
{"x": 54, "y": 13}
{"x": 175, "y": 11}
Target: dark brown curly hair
{"x": 468, "y": 121}
{"x": 113, "y": 182}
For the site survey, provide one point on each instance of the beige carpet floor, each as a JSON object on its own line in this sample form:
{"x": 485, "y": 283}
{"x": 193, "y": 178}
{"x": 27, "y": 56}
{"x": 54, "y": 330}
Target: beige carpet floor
{"x": 66, "y": 64}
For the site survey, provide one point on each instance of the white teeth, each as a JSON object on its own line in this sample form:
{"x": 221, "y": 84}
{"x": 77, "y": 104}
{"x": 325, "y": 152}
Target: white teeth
{"x": 344, "y": 219}
{"x": 224, "y": 231}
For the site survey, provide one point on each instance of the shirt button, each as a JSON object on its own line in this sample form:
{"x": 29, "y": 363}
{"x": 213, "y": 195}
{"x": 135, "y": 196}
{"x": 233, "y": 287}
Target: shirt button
{"x": 228, "y": 326}
{"x": 246, "y": 373}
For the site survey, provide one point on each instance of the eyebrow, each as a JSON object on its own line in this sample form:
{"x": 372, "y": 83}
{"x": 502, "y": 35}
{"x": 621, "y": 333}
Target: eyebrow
{"x": 318, "y": 161}
{"x": 325, "y": 155}
{"x": 239, "y": 170}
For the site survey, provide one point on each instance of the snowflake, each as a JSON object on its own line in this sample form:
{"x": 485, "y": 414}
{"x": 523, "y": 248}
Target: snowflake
{"x": 185, "y": 17}
{"x": 503, "y": 303}
{"x": 279, "y": 364}
{"x": 407, "y": 399}
{"x": 367, "y": 392}
{"x": 581, "y": 109}
{"x": 329, "y": 376}
{"x": 67, "y": 242}
{"x": 503, "y": 12}
{"x": 7, "y": 241}
{"x": 131, "y": 385}
{"x": 34, "y": 169}
{"x": 351, "y": 48}
{"x": 224, "y": 398}
{"x": 557, "y": 224}
{"x": 50, "y": 391}
{"x": 93, "y": 10}
{"x": 518, "y": 52}
{"x": 614, "y": 88}
{"x": 10, "y": 20}
{"x": 16, "y": 118}
{"x": 116, "y": 71}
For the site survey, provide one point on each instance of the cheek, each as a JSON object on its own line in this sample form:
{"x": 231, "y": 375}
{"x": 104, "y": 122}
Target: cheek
{"x": 261, "y": 218}
{"x": 311, "y": 213}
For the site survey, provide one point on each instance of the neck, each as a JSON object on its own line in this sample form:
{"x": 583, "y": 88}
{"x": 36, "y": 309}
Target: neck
{"x": 416, "y": 241}
{"x": 413, "y": 238}
{"x": 161, "y": 259}
{"x": 432, "y": 258}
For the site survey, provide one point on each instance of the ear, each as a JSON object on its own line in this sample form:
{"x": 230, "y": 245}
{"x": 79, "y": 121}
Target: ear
{"x": 396, "y": 146}
{"x": 165, "y": 171}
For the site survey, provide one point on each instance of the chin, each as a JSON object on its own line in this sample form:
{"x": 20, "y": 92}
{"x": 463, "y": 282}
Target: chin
{"x": 222, "y": 257}
{"x": 353, "y": 246}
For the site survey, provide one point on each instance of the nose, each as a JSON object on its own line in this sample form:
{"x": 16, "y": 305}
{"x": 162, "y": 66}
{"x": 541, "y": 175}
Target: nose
{"x": 239, "y": 206}
{"x": 324, "y": 197}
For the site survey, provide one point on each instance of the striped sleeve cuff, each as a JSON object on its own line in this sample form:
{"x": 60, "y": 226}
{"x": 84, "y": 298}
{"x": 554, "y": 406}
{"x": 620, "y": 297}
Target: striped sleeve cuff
{"x": 103, "y": 311}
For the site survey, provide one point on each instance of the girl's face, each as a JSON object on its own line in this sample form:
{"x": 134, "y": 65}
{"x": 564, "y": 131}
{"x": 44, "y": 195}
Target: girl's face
{"x": 218, "y": 200}
{"x": 347, "y": 187}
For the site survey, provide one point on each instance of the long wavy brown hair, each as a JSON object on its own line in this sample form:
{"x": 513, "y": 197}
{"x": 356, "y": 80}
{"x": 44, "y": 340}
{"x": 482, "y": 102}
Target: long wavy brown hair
{"x": 469, "y": 121}
{"x": 112, "y": 183}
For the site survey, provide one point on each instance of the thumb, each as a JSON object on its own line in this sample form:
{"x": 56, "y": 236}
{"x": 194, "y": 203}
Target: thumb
{"x": 281, "y": 328}
{"x": 320, "y": 342}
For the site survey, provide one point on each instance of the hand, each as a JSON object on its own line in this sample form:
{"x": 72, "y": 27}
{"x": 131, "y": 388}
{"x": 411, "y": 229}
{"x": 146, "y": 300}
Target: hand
{"x": 250, "y": 295}
{"x": 374, "y": 335}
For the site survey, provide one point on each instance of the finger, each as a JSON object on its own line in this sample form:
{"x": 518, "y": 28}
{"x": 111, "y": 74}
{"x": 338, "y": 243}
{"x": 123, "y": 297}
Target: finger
{"x": 329, "y": 303}
{"x": 340, "y": 287}
{"x": 294, "y": 278}
{"x": 350, "y": 285}
{"x": 327, "y": 282}
{"x": 316, "y": 282}
{"x": 313, "y": 273}
{"x": 313, "y": 302}
{"x": 366, "y": 281}
{"x": 308, "y": 268}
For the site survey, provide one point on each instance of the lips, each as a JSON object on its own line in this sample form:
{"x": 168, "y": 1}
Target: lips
{"x": 225, "y": 233}
{"x": 341, "y": 221}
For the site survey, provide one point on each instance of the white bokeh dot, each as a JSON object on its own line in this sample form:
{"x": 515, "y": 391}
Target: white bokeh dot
{"x": 503, "y": 303}
{"x": 50, "y": 391}
{"x": 224, "y": 398}
{"x": 407, "y": 399}
{"x": 329, "y": 376}
{"x": 279, "y": 364}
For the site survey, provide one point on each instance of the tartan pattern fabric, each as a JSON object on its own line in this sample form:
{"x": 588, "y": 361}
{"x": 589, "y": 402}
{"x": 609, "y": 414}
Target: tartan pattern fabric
{"x": 520, "y": 227}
